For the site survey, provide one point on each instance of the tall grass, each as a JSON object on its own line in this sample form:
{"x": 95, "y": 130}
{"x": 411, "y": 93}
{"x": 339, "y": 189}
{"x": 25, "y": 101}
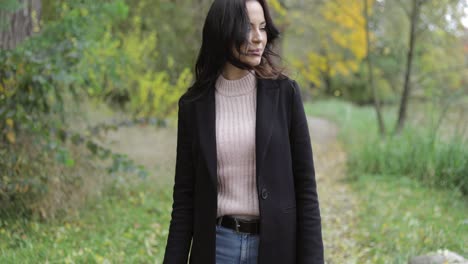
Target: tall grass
{"x": 418, "y": 152}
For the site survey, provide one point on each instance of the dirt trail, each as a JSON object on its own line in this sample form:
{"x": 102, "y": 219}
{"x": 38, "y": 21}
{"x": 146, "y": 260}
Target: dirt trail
{"x": 150, "y": 146}
{"x": 155, "y": 148}
{"x": 337, "y": 202}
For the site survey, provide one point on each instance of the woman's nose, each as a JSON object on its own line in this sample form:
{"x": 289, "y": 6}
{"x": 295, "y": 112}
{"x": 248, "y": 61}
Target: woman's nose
{"x": 257, "y": 36}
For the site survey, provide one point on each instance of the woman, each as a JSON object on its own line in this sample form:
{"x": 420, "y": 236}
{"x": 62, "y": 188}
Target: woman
{"x": 245, "y": 189}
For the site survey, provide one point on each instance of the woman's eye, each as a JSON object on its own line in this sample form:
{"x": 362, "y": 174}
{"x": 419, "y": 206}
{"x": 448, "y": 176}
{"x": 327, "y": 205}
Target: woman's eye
{"x": 250, "y": 28}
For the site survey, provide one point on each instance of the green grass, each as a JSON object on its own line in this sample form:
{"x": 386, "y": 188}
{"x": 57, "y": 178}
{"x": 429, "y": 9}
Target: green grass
{"x": 409, "y": 204}
{"x": 123, "y": 227}
{"x": 399, "y": 218}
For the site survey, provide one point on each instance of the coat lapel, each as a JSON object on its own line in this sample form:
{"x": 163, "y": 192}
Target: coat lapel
{"x": 267, "y": 102}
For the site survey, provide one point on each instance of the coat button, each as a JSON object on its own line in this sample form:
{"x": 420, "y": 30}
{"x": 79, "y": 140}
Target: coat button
{"x": 264, "y": 193}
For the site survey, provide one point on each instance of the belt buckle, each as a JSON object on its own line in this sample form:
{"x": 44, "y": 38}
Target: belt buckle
{"x": 237, "y": 224}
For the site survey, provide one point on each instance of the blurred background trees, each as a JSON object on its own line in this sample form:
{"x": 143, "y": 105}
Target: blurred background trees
{"x": 138, "y": 56}
{"x": 418, "y": 47}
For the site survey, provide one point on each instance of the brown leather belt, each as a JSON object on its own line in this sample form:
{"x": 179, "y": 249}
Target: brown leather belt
{"x": 239, "y": 225}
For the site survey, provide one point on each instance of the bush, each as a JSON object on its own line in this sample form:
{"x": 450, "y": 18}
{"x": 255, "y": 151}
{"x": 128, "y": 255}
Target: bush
{"x": 45, "y": 182}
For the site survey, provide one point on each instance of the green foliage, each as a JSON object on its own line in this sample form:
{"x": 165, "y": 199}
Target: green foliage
{"x": 177, "y": 26}
{"x": 354, "y": 87}
{"x": 37, "y": 75}
{"x": 38, "y": 80}
{"x": 152, "y": 92}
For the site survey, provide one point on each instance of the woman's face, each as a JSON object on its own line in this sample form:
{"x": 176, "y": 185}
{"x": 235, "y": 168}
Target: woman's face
{"x": 251, "y": 52}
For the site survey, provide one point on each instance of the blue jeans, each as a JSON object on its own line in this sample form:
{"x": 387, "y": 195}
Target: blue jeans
{"x": 235, "y": 248}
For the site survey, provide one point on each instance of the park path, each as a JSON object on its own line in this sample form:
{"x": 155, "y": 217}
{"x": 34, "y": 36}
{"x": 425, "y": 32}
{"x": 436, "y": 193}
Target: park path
{"x": 155, "y": 148}
{"x": 337, "y": 202}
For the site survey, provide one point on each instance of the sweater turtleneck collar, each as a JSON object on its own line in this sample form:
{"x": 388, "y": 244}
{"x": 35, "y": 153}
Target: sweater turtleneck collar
{"x": 237, "y": 87}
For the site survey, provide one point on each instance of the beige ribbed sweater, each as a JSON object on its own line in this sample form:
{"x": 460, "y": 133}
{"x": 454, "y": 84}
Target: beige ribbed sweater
{"x": 235, "y": 142}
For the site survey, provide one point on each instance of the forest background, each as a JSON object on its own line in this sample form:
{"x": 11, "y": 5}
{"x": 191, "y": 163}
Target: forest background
{"x": 392, "y": 74}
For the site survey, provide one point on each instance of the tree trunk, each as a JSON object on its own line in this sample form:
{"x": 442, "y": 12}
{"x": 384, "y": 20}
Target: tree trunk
{"x": 371, "y": 73}
{"x": 20, "y": 24}
{"x": 414, "y": 17}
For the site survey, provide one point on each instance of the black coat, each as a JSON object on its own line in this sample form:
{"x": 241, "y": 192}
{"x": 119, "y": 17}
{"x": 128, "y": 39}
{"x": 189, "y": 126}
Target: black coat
{"x": 290, "y": 229}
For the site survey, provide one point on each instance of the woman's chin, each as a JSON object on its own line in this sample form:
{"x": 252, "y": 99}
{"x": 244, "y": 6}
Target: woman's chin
{"x": 254, "y": 61}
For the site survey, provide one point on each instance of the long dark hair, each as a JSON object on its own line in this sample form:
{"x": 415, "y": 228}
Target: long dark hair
{"x": 226, "y": 26}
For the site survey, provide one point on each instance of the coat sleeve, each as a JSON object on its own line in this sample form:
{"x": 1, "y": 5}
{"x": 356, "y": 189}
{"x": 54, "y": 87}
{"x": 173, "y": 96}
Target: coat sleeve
{"x": 181, "y": 228}
{"x": 309, "y": 231}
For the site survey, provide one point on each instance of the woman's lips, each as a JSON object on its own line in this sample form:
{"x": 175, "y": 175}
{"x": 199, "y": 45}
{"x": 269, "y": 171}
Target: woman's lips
{"x": 256, "y": 52}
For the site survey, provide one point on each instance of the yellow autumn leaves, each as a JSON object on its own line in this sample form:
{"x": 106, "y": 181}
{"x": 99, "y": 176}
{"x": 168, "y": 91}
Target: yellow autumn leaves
{"x": 343, "y": 44}
{"x": 9, "y": 132}
{"x": 336, "y": 39}
{"x": 152, "y": 91}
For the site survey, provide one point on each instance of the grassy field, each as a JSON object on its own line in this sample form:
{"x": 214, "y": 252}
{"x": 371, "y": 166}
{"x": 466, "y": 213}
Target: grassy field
{"x": 401, "y": 214}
